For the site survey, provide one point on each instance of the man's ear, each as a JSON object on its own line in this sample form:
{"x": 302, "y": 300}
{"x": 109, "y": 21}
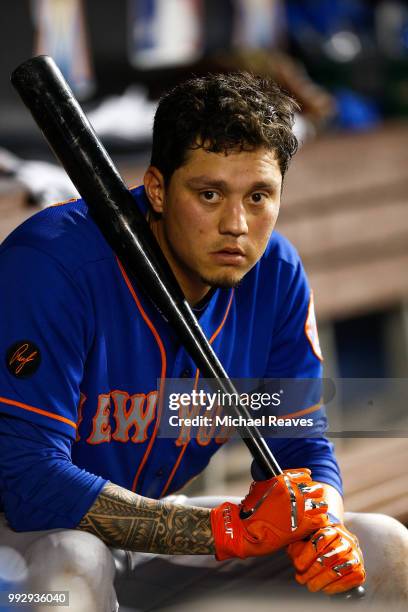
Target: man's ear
{"x": 154, "y": 186}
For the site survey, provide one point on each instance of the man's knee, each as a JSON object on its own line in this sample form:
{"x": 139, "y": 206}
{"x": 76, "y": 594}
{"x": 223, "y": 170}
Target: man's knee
{"x": 384, "y": 542}
{"x": 374, "y": 530}
{"x": 74, "y": 561}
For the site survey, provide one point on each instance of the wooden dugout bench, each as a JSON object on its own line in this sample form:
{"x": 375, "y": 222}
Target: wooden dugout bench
{"x": 345, "y": 207}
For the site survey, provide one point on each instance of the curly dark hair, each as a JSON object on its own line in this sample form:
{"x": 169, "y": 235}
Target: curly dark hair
{"x": 221, "y": 113}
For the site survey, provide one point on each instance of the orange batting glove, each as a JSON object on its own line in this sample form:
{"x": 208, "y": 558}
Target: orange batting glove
{"x": 330, "y": 561}
{"x": 275, "y": 513}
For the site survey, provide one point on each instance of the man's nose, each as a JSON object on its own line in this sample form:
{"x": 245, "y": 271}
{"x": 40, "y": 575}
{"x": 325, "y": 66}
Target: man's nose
{"x": 233, "y": 219}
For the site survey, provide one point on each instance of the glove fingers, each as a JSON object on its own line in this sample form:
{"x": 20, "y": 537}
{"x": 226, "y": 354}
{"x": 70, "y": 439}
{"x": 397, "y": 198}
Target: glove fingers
{"x": 346, "y": 583}
{"x": 315, "y": 505}
{"x": 311, "y": 489}
{"x": 339, "y": 553}
{"x": 347, "y": 565}
{"x": 331, "y": 560}
{"x": 299, "y": 475}
{"x": 354, "y": 543}
{"x": 316, "y": 522}
{"x": 307, "y": 553}
{"x": 313, "y": 571}
{"x": 349, "y": 536}
{"x": 321, "y": 580}
{"x": 276, "y": 512}
{"x": 295, "y": 550}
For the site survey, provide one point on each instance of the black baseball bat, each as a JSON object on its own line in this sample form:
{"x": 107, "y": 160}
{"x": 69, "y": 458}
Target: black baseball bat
{"x": 56, "y": 111}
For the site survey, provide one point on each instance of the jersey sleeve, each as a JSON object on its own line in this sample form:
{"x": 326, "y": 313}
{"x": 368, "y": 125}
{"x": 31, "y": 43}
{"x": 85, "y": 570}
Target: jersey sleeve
{"x": 40, "y": 486}
{"x": 296, "y": 357}
{"x": 295, "y": 350}
{"x": 45, "y": 331}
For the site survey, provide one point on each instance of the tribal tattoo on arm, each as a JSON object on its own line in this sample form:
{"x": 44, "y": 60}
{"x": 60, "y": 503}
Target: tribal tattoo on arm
{"x": 123, "y": 519}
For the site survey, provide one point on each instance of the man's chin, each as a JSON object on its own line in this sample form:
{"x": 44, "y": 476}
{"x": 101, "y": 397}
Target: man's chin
{"x": 224, "y": 281}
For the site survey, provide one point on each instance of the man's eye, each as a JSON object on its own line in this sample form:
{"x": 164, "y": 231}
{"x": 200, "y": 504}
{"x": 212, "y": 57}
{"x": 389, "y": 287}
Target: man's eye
{"x": 209, "y": 196}
{"x": 257, "y": 197}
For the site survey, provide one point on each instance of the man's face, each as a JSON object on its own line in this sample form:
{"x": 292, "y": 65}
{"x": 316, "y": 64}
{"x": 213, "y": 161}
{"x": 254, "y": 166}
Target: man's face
{"x": 217, "y": 215}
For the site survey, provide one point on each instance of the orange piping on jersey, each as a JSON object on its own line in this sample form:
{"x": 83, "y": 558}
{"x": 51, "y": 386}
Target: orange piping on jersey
{"x": 300, "y": 412}
{"x": 64, "y": 202}
{"x": 57, "y": 417}
{"x": 162, "y": 372}
{"x": 221, "y": 325}
{"x": 183, "y": 450}
{"x": 77, "y": 199}
{"x": 308, "y": 336}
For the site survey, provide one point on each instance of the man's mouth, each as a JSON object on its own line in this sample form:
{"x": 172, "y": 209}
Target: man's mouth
{"x": 232, "y": 250}
{"x": 229, "y": 255}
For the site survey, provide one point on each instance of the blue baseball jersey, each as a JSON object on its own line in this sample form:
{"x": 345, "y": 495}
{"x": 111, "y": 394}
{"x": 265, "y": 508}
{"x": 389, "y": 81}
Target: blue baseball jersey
{"x": 84, "y": 348}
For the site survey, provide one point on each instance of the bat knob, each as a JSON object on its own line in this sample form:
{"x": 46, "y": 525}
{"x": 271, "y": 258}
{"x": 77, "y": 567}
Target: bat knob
{"x": 353, "y": 594}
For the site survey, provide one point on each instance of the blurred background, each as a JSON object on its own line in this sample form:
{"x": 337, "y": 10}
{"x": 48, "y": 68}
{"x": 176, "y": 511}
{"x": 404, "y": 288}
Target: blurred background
{"x": 345, "y": 197}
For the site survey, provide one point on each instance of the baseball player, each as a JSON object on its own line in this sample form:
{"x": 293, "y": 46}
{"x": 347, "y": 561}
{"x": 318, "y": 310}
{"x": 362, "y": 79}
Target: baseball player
{"x": 83, "y": 469}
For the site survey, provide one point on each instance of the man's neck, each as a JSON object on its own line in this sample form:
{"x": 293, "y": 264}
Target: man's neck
{"x": 194, "y": 290}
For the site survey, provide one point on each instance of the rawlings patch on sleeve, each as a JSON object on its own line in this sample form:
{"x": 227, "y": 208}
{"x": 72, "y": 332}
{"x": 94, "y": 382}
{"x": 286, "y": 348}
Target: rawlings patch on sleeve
{"x": 311, "y": 329}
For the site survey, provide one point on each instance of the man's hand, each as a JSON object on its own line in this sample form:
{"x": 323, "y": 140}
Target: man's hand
{"x": 275, "y": 513}
{"x": 331, "y": 560}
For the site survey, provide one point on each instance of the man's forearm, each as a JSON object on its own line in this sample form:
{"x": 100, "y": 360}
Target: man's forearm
{"x": 123, "y": 519}
{"x": 334, "y": 500}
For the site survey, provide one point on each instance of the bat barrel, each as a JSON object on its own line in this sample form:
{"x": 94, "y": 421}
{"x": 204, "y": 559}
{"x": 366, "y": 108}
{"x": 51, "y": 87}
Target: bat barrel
{"x": 66, "y": 128}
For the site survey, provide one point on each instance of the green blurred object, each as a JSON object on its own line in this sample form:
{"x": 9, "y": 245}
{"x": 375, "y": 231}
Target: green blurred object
{"x": 396, "y": 88}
